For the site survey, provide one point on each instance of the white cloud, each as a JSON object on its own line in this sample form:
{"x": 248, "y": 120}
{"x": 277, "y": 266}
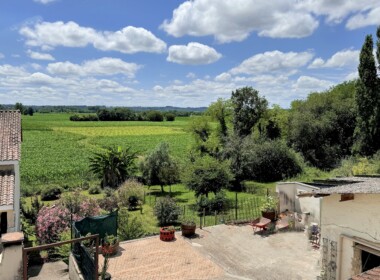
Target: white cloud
{"x": 191, "y": 75}
{"x": 352, "y": 76}
{"x": 40, "y": 56}
{"x": 224, "y": 77}
{"x": 48, "y": 35}
{"x": 371, "y": 17}
{"x": 193, "y": 53}
{"x": 273, "y": 61}
{"x": 158, "y": 88}
{"x": 312, "y": 84}
{"x": 341, "y": 59}
{"x": 102, "y": 66}
{"x": 45, "y": 1}
{"x": 337, "y": 10}
{"x": 234, "y": 20}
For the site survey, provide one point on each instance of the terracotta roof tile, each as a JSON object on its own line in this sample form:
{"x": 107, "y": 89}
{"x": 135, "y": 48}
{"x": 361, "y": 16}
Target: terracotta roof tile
{"x": 372, "y": 274}
{"x": 10, "y": 135}
{"x": 7, "y": 185}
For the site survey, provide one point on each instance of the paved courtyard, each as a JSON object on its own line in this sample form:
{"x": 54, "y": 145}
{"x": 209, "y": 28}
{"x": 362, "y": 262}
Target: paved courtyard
{"x": 219, "y": 252}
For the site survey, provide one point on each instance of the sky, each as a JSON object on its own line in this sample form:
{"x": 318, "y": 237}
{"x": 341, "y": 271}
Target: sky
{"x": 177, "y": 53}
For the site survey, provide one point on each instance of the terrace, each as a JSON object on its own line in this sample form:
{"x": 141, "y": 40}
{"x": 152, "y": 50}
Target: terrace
{"x": 218, "y": 252}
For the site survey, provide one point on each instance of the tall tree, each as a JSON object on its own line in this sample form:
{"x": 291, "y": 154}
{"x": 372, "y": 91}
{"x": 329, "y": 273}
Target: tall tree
{"x": 367, "y": 131}
{"x": 248, "y": 107}
{"x": 113, "y": 166}
{"x": 20, "y": 107}
{"x": 159, "y": 168}
{"x": 207, "y": 174}
{"x": 220, "y": 111}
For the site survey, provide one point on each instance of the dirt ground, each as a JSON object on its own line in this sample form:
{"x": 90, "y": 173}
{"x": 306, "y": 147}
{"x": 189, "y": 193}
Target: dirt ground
{"x": 219, "y": 252}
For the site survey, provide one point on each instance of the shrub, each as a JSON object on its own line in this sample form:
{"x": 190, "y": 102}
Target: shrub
{"x": 166, "y": 211}
{"x": 154, "y": 116}
{"x": 272, "y": 161}
{"x": 131, "y": 194}
{"x": 109, "y": 203}
{"x": 219, "y": 203}
{"x": 170, "y": 117}
{"x": 51, "y": 193}
{"x": 129, "y": 228}
{"x": 94, "y": 190}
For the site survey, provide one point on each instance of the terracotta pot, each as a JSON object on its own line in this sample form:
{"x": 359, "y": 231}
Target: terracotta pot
{"x": 269, "y": 215}
{"x": 167, "y": 234}
{"x": 188, "y": 230}
{"x": 110, "y": 250}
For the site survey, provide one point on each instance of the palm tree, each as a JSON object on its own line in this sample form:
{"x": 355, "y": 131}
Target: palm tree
{"x": 113, "y": 166}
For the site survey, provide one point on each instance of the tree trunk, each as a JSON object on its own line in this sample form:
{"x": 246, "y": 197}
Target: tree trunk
{"x": 162, "y": 188}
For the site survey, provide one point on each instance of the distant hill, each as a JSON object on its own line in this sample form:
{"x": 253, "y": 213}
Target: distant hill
{"x": 94, "y": 109}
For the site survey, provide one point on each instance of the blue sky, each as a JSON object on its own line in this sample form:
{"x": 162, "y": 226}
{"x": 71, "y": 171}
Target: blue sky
{"x": 178, "y": 53}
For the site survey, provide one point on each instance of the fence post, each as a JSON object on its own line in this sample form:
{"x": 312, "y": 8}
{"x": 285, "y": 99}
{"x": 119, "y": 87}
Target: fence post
{"x": 25, "y": 264}
{"x": 96, "y": 258}
{"x": 236, "y": 206}
{"x": 200, "y": 221}
{"x": 204, "y": 216}
{"x": 215, "y": 217}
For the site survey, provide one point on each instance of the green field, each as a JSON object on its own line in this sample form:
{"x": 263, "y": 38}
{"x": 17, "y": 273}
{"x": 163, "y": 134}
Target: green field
{"x": 56, "y": 151}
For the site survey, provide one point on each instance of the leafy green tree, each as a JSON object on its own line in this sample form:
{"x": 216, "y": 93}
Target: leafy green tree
{"x": 30, "y": 111}
{"x": 368, "y": 100}
{"x": 207, "y": 174}
{"x": 321, "y": 127}
{"x": 113, "y": 166}
{"x": 159, "y": 168}
{"x": 20, "y": 107}
{"x": 220, "y": 111}
{"x": 206, "y": 140}
{"x": 248, "y": 107}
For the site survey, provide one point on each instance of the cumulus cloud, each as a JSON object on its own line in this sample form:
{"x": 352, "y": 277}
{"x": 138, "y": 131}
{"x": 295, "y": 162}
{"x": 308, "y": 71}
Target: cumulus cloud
{"x": 341, "y": 59}
{"x": 371, "y": 17}
{"x": 192, "y": 53}
{"x": 272, "y": 61}
{"x": 102, "y": 66}
{"x": 311, "y": 83}
{"x": 40, "y": 56}
{"x": 234, "y": 20}
{"x": 48, "y": 35}
{"x": 224, "y": 77}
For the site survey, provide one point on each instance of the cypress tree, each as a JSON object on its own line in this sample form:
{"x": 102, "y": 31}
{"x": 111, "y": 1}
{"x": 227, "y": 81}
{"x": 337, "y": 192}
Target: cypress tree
{"x": 367, "y": 131}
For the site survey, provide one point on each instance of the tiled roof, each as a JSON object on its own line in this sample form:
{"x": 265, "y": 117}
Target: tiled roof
{"x": 10, "y": 135}
{"x": 373, "y": 274}
{"x": 7, "y": 185}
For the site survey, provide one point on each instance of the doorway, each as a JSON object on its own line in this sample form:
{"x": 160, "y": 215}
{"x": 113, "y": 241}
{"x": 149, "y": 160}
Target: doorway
{"x": 3, "y": 223}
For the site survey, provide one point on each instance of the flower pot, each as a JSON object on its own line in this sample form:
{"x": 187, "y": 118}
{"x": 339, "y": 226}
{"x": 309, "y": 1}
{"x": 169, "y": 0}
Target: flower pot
{"x": 167, "y": 234}
{"x": 271, "y": 215}
{"x": 110, "y": 250}
{"x": 188, "y": 230}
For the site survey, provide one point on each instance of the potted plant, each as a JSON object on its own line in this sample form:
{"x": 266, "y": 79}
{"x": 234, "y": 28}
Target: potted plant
{"x": 110, "y": 245}
{"x": 188, "y": 228}
{"x": 167, "y": 233}
{"x": 268, "y": 208}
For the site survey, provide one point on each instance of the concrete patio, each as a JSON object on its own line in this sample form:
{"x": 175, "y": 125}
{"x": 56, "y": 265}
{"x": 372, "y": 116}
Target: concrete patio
{"x": 218, "y": 252}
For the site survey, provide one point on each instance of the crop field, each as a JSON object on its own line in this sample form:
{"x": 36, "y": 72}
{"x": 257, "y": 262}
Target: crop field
{"x": 56, "y": 151}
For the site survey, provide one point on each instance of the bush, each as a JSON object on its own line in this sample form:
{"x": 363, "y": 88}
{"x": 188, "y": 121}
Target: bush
{"x": 272, "y": 161}
{"x": 131, "y": 194}
{"x": 51, "y": 193}
{"x": 154, "y": 116}
{"x": 219, "y": 203}
{"x": 129, "y": 228}
{"x": 108, "y": 203}
{"x": 94, "y": 190}
{"x": 166, "y": 211}
{"x": 170, "y": 117}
